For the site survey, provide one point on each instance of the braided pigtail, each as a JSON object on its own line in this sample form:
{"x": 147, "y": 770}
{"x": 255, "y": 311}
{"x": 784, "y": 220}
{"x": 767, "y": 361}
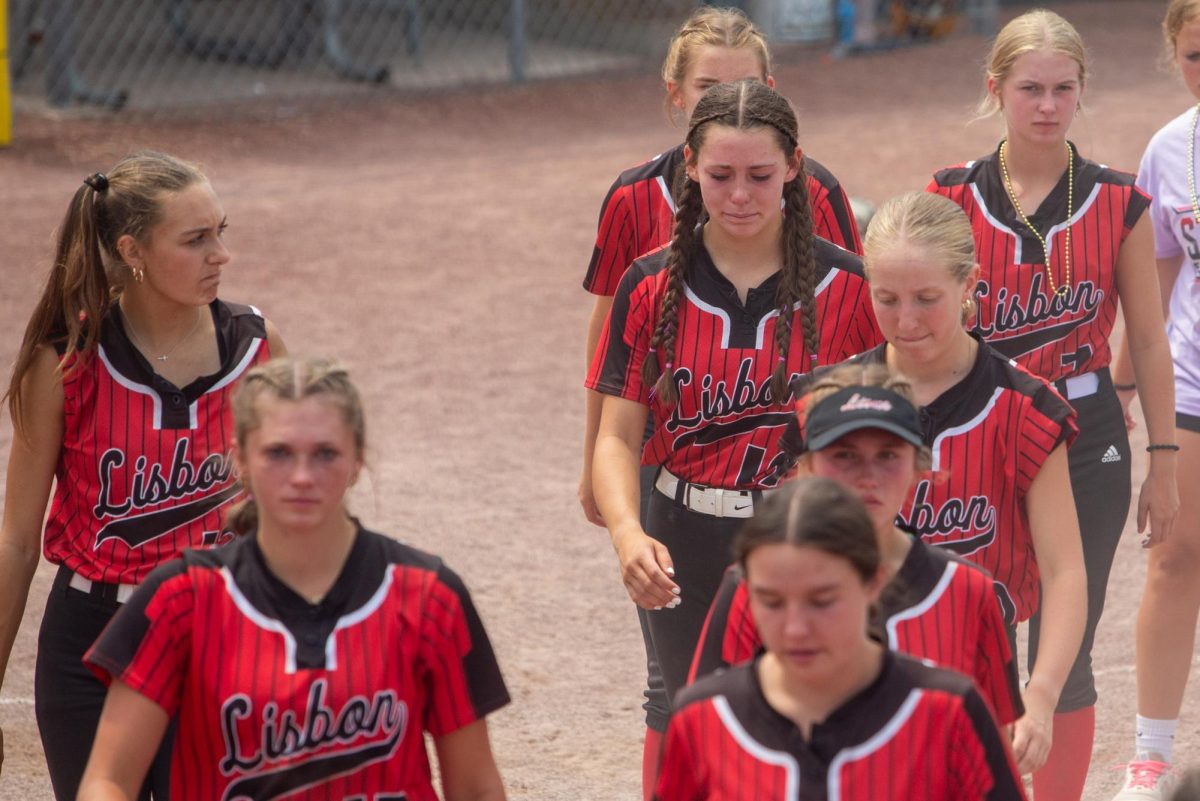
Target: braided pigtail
{"x": 679, "y": 257}
{"x": 799, "y": 279}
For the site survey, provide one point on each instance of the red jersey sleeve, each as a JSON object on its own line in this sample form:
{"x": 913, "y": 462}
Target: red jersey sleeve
{"x": 616, "y": 368}
{"x": 678, "y": 772}
{"x": 729, "y": 636}
{"x": 461, "y": 674}
{"x": 1049, "y": 422}
{"x": 995, "y": 666}
{"x": 612, "y": 253}
{"x": 147, "y": 643}
{"x": 979, "y": 765}
{"x": 833, "y": 218}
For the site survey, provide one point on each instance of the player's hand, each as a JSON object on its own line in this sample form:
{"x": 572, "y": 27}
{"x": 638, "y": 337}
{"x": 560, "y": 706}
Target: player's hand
{"x": 1158, "y": 502}
{"x": 1033, "y": 733}
{"x": 1125, "y": 396}
{"x": 646, "y": 570}
{"x": 588, "y": 500}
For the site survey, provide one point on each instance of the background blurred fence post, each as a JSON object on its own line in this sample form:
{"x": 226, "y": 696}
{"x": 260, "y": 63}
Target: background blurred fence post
{"x": 517, "y": 45}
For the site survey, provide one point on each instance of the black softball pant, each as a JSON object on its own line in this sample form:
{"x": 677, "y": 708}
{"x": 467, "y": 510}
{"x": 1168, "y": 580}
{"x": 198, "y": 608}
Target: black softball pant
{"x": 657, "y": 704}
{"x": 67, "y": 695}
{"x": 701, "y": 548}
{"x": 1102, "y": 488}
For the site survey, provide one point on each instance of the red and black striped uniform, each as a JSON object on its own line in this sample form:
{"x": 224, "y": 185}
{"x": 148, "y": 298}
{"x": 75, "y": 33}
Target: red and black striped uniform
{"x": 917, "y": 732}
{"x": 144, "y": 470}
{"x": 990, "y": 435}
{"x": 638, "y": 216}
{"x": 938, "y": 607}
{"x": 277, "y": 697}
{"x": 1050, "y": 336}
{"x": 724, "y": 432}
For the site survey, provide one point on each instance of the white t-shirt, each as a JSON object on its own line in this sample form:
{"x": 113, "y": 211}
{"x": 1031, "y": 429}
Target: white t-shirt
{"x": 1163, "y": 175}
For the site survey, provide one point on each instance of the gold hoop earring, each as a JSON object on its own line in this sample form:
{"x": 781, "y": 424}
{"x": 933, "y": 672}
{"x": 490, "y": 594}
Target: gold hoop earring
{"x": 968, "y": 310}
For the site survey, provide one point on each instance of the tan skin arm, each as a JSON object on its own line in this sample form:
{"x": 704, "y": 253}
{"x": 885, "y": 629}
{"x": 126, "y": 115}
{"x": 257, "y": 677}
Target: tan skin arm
{"x": 466, "y": 765}
{"x": 1122, "y": 368}
{"x": 31, "y": 462}
{"x": 593, "y": 403}
{"x": 130, "y": 731}
{"x": 275, "y": 341}
{"x": 1059, "y": 549}
{"x": 646, "y": 568}
{"x": 1143, "y": 300}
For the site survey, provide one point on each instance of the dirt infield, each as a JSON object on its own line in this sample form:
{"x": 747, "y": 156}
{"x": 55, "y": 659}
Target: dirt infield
{"x": 437, "y": 244}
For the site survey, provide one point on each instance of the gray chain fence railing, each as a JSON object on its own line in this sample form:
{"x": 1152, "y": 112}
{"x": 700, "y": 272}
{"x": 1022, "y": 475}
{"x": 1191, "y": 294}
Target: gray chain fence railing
{"x": 160, "y": 55}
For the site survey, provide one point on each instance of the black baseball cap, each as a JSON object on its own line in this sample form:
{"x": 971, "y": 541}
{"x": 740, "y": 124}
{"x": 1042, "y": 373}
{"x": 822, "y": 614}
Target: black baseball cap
{"x": 858, "y": 407}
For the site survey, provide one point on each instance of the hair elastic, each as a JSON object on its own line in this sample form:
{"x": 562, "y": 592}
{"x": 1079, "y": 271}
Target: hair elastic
{"x": 812, "y": 359}
{"x": 1153, "y": 448}
{"x": 98, "y": 181}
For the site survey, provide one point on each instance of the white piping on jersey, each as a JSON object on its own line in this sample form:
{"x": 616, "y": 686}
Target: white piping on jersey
{"x": 967, "y": 426}
{"x": 666, "y": 192}
{"x": 133, "y": 386}
{"x": 782, "y": 759}
{"x": 762, "y": 324}
{"x": 923, "y": 607}
{"x": 726, "y": 326}
{"x": 874, "y": 744}
{"x": 262, "y": 621}
{"x": 1017, "y": 242}
{"x": 357, "y": 616}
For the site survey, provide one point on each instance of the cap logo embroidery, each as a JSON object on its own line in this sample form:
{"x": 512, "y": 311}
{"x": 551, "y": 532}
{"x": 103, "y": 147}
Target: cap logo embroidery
{"x": 859, "y": 402}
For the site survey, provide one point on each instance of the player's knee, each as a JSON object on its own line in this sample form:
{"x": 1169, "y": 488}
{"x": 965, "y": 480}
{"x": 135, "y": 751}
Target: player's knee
{"x": 1175, "y": 567}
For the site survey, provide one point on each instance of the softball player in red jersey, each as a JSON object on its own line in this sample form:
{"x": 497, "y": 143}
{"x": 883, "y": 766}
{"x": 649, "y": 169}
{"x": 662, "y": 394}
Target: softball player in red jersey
{"x": 998, "y": 434}
{"x": 826, "y": 711}
{"x": 307, "y": 658}
{"x": 861, "y": 429}
{"x": 122, "y": 406}
{"x": 1166, "y": 624}
{"x": 1036, "y": 195}
{"x": 697, "y": 339}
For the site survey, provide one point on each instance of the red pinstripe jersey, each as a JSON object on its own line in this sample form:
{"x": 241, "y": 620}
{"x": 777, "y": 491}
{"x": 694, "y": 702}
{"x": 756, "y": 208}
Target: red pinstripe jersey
{"x": 144, "y": 470}
{"x": 938, "y": 607}
{"x": 990, "y": 434}
{"x": 638, "y": 216}
{"x": 1050, "y": 336}
{"x": 724, "y": 432}
{"x": 278, "y": 698}
{"x": 916, "y": 732}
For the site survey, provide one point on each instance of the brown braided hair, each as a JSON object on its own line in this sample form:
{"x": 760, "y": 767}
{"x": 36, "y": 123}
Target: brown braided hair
{"x": 743, "y": 105}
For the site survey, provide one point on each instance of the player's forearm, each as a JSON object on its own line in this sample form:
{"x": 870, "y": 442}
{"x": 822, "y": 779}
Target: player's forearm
{"x": 1064, "y": 603}
{"x": 615, "y": 482}
{"x": 17, "y": 565}
{"x": 591, "y": 427}
{"x": 101, "y": 790}
{"x": 1155, "y": 376}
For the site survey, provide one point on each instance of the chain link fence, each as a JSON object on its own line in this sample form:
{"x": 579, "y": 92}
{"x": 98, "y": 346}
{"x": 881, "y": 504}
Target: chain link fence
{"x": 163, "y": 55}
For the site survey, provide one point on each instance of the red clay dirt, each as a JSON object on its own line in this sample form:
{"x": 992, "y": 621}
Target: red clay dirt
{"x": 437, "y": 243}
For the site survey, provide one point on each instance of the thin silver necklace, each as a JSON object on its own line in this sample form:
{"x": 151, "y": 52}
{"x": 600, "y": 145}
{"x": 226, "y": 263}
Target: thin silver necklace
{"x": 165, "y": 355}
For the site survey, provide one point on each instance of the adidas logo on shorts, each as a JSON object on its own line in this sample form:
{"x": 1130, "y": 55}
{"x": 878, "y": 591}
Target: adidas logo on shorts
{"x": 1111, "y": 455}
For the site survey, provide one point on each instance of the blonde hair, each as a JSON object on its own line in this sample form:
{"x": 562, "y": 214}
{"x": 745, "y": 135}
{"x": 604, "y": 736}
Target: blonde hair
{"x": 1179, "y": 13}
{"x": 862, "y": 375}
{"x": 1039, "y": 29}
{"x": 932, "y": 222}
{"x": 293, "y": 379}
{"x": 724, "y": 27}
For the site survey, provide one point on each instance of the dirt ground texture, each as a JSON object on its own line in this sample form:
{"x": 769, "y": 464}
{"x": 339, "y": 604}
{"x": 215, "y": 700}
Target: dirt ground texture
{"x": 436, "y": 244}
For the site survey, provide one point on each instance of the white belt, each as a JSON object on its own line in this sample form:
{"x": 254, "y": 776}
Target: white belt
{"x": 1080, "y": 386}
{"x": 78, "y": 582}
{"x": 708, "y": 500}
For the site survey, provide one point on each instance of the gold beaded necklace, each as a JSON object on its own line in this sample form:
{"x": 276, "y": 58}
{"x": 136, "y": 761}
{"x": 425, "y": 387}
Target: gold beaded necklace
{"x": 1192, "y": 165}
{"x": 1054, "y": 289}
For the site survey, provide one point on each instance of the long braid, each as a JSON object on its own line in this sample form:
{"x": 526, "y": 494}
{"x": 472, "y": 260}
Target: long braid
{"x": 799, "y": 275}
{"x": 679, "y": 257}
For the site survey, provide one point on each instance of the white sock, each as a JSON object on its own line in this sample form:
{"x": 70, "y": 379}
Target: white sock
{"x": 1155, "y": 736}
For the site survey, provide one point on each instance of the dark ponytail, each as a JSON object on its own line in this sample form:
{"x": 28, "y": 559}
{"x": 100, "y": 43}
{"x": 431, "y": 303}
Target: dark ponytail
{"x": 798, "y": 282}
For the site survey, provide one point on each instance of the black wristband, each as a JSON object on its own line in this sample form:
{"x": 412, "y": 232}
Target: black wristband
{"x": 1124, "y": 387}
{"x": 1152, "y": 448}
